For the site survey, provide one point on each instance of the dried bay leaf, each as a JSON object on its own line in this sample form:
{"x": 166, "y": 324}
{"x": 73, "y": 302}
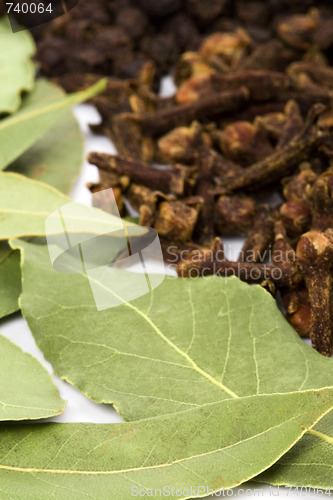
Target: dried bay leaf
{"x": 20, "y": 131}
{"x": 25, "y": 205}
{"x": 27, "y": 390}
{"x": 188, "y": 343}
{"x": 17, "y": 72}
{"x": 10, "y": 280}
{"x": 56, "y": 158}
{"x": 309, "y": 463}
{"x": 213, "y": 447}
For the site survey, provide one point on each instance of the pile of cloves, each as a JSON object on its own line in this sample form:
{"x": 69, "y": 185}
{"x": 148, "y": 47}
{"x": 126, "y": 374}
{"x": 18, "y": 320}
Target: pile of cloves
{"x": 118, "y": 37}
{"x": 249, "y": 118}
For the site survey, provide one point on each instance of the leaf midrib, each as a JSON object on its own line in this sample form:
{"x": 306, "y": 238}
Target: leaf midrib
{"x": 321, "y": 435}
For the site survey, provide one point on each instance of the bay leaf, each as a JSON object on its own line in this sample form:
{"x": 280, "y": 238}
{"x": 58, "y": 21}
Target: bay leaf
{"x": 25, "y": 205}
{"x": 309, "y": 463}
{"x": 20, "y": 131}
{"x": 57, "y": 157}
{"x": 27, "y": 391}
{"x": 17, "y": 71}
{"x": 211, "y": 447}
{"x": 10, "y": 280}
{"x": 187, "y": 343}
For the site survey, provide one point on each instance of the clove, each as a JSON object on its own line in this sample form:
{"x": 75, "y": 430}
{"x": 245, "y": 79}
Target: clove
{"x": 281, "y": 162}
{"x": 260, "y": 237}
{"x": 154, "y": 124}
{"x": 315, "y": 257}
{"x": 170, "y": 180}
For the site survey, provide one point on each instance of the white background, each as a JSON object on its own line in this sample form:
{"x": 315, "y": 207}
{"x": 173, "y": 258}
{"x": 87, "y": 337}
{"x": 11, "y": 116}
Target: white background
{"x": 79, "y": 408}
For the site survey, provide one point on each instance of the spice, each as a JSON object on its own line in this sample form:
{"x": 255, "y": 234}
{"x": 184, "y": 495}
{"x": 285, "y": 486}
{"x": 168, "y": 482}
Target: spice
{"x": 281, "y": 162}
{"x": 292, "y": 126}
{"x": 296, "y": 217}
{"x": 298, "y": 30}
{"x": 315, "y": 257}
{"x": 262, "y": 85}
{"x": 260, "y": 236}
{"x": 141, "y": 173}
{"x": 205, "y": 230}
{"x": 283, "y": 255}
{"x": 245, "y": 143}
{"x": 296, "y": 187}
{"x": 296, "y": 302}
{"x": 235, "y": 215}
{"x": 206, "y": 265}
{"x": 154, "y": 124}
{"x": 175, "y": 220}
{"x": 321, "y": 201}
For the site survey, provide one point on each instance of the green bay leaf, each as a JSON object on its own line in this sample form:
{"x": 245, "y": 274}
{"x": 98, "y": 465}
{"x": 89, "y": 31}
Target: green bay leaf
{"x": 187, "y": 343}
{"x": 22, "y": 130}
{"x": 17, "y": 72}
{"x": 25, "y": 204}
{"x": 309, "y": 463}
{"x": 27, "y": 391}
{"x": 10, "y": 280}
{"x": 216, "y": 446}
{"x": 56, "y": 158}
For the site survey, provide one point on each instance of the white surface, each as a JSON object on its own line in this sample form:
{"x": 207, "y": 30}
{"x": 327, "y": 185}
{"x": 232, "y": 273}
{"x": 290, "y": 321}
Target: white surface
{"x": 79, "y": 408}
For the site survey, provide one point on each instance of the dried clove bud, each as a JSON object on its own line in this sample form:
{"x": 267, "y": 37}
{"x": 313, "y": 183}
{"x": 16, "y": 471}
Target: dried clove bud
{"x": 194, "y": 88}
{"x": 262, "y": 85}
{"x": 205, "y": 230}
{"x": 213, "y": 262}
{"x": 298, "y": 31}
{"x": 281, "y": 162}
{"x": 244, "y": 143}
{"x": 322, "y": 75}
{"x": 296, "y": 217}
{"x": 298, "y": 309}
{"x": 191, "y": 145}
{"x": 321, "y": 201}
{"x": 139, "y": 195}
{"x": 225, "y": 51}
{"x": 178, "y": 251}
{"x": 260, "y": 238}
{"x": 180, "y": 144}
{"x": 271, "y": 55}
{"x": 128, "y": 139}
{"x": 146, "y": 216}
{"x": 234, "y": 215}
{"x": 168, "y": 181}
{"x": 175, "y": 220}
{"x": 315, "y": 256}
{"x": 271, "y": 123}
{"x": 190, "y": 64}
{"x": 162, "y": 121}
{"x": 296, "y": 187}
{"x": 292, "y": 126}
{"x": 284, "y": 257}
